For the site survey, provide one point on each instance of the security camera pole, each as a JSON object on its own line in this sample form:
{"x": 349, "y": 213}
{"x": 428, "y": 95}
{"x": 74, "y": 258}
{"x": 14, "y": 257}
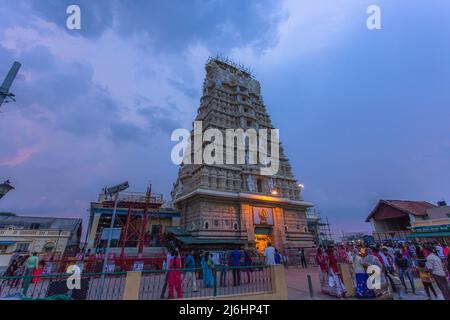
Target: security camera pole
{"x": 5, "y": 94}
{"x": 5, "y": 187}
{"x": 113, "y": 192}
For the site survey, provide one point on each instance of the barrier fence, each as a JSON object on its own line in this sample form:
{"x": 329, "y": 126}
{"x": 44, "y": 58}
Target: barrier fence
{"x": 54, "y": 286}
{"x": 224, "y": 281}
{"x": 153, "y": 285}
{"x": 95, "y": 265}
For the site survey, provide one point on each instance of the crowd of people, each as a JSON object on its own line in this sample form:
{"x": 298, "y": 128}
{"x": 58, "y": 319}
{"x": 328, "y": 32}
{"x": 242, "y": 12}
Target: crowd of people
{"x": 28, "y": 267}
{"x": 395, "y": 267}
{"x": 397, "y": 263}
{"x": 185, "y": 271}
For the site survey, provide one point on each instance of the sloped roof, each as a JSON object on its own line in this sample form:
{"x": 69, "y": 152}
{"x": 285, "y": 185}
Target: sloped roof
{"x": 49, "y": 223}
{"x": 416, "y": 208}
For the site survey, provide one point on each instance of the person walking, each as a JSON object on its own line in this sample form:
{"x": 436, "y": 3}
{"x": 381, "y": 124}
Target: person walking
{"x": 166, "y": 267}
{"x": 174, "y": 279}
{"x": 269, "y": 254}
{"x": 31, "y": 264}
{"x": 425, "y": 277}
{"x": 190, "y": 278}
{"x": 303, "y": 258}
{"x": 236, "y": 264}
{"x": 434, "y": 264}
{"x": 403, "y": 265}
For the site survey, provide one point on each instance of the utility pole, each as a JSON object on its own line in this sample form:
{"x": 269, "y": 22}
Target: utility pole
{"x": 114, "y": 192}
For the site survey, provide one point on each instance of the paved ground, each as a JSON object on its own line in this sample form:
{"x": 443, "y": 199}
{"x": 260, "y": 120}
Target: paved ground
{"x": 298, "y": 289}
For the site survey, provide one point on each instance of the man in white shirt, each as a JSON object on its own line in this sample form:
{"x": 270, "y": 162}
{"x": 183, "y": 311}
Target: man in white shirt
{"x": 269, "y": 253}
{"x": 434, "y": 264}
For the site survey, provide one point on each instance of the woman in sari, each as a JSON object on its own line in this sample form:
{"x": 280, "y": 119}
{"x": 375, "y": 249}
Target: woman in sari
{"x": 323, "y": 269}
{"x": 207, "y": 264}
{"x": 174, "y": 278}
{"x": 335, "y": 285}
{"x": 342, "y": 254}
{"x": 332, "y": 262}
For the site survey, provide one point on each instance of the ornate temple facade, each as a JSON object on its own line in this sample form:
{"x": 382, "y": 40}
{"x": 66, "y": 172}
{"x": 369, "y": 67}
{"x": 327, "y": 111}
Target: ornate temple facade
{"x": 224, "y": 205}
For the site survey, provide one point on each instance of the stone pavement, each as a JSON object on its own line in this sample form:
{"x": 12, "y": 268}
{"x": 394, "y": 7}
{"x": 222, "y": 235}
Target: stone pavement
{"x": 297, "y": 283}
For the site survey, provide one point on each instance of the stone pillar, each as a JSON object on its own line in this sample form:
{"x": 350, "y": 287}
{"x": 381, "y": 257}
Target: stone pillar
{"x": 278, "y": 230}
{"x": 280, "y": 286}
{"x": 247, "y": 220}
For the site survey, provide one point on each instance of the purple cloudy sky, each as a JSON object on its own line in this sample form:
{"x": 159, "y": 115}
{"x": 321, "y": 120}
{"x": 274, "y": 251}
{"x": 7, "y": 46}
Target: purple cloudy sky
{"x": 363, "y": 114}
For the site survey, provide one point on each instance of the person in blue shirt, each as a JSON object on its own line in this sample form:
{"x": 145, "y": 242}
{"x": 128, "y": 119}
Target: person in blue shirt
{"x": 277, "y": 257}
{"x": 236, "y": 263}
{"x": 189, "y": 277}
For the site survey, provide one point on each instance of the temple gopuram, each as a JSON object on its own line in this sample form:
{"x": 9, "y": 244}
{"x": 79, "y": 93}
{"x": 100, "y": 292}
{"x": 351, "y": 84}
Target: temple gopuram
{"x": 233, "y": 205}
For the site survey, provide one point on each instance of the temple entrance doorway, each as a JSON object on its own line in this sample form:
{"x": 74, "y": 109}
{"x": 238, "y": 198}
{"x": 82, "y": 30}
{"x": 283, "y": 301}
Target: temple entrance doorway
{"x": 263, "y": 236}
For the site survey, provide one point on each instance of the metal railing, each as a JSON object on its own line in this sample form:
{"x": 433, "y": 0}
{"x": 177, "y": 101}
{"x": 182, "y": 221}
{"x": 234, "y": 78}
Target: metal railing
{"x": 54, "y": 286}
{"x": 154, "y": 284}
{"x": 140, "y": 197}
{"x": 95, "y": 265}
{"x": 222, "y": 281}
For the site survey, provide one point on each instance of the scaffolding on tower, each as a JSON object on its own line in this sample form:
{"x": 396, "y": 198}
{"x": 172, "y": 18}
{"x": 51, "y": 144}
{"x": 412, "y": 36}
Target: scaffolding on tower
{"x": 141, "y": 208}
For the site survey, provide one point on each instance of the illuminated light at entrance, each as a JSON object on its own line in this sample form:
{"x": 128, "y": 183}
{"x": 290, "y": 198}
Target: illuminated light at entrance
{"x": 262, "y": 241}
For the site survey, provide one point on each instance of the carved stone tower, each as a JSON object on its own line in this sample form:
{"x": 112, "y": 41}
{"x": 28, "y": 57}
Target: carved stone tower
{"x": 225, "y": 205}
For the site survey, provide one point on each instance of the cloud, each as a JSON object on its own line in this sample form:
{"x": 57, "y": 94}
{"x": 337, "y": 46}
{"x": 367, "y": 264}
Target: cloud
{"x": 219, "y": 24}
{"x": 307, "y": 28}
{"x": 22, "y": 155}
{"x": 96, "y": 106}
{"x": 96, "y": 16}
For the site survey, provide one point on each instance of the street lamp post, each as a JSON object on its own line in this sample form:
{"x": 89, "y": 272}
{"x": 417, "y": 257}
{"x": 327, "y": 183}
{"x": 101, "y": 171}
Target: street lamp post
{"x": 113, "y": 191}
{"x": 5, "y": 187}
